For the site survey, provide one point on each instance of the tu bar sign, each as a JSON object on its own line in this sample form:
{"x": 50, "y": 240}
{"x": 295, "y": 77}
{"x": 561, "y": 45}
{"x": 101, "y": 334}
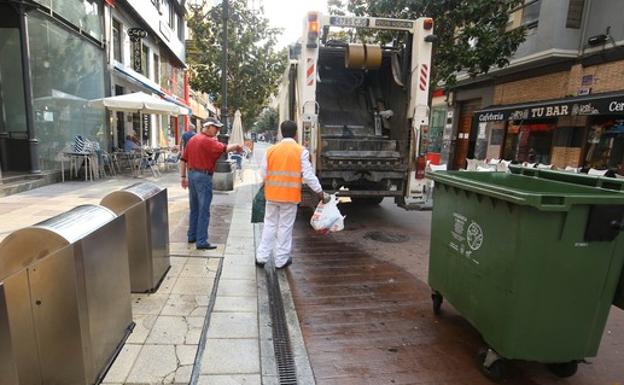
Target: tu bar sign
{"x": 136, "y": 37}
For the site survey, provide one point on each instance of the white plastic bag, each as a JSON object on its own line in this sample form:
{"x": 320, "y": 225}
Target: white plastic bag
{"x": 327, "y": 217}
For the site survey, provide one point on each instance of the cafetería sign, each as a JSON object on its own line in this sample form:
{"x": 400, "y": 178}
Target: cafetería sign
{"x": 612, "y": 104}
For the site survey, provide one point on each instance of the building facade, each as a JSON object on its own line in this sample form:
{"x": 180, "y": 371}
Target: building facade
{"x": 56, "y": 55}
{"x": 146, "y": 53}
{"x": 52, "y": 60}
{"x": 561, "y": 99}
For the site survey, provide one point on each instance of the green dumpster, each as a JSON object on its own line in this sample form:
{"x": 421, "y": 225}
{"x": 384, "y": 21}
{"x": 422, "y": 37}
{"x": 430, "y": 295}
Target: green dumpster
{"x": 532, "y": 263}
{"x": 584, "y": 180}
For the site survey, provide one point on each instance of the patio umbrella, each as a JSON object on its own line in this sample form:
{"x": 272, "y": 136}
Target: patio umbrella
{"x": 139, "y": 102}
{"x": 237, "y": 130}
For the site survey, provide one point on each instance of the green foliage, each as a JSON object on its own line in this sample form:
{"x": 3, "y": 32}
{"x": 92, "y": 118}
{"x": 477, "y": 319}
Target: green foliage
{"x": 472, "y": 35}
{"x": 254, "y": 65}
{"x": 267, "y": 121}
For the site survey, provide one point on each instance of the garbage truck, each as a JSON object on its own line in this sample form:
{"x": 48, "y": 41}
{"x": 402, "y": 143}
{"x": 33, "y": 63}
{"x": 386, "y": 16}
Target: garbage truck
{"x": 362, "y": 107}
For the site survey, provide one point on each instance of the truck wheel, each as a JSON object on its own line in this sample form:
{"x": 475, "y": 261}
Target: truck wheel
{"x": 564, "y": 369}
{"x": 496, "y": 371}
{"x": 437, "y": 302}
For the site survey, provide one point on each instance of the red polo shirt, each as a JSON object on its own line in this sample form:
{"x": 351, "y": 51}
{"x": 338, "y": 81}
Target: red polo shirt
{"x": 202, "y": 152}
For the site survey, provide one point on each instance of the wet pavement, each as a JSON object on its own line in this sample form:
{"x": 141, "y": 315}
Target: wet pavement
{"x": 366, "y": 312}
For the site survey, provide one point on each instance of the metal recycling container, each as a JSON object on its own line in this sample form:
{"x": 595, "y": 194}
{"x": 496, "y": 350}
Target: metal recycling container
{"x": 145, "y": 207}
{"x": 532, "y": 263}
{"x": 65, "y": 306}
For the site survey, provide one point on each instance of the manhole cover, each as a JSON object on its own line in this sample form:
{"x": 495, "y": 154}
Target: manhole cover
{"x": 382, "y": 236}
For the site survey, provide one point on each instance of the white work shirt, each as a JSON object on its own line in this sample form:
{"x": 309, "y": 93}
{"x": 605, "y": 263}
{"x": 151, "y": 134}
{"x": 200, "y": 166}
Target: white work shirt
{"x": 306, "y": 169}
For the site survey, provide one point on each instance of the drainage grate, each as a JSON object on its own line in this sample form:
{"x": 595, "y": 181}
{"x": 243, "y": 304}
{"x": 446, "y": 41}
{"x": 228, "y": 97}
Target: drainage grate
{"x": 281, "y": 341}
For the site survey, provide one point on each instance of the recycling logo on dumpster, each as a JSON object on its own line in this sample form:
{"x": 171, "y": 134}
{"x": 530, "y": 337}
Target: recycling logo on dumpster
{"x": 467, "y": 236}
{"x": 474, "y": 236}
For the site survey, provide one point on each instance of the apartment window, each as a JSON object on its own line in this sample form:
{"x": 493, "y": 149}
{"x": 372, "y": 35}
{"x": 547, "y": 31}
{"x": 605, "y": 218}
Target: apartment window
{"x": 156, "y": 68}
{"x": 166, "y": 10}
{"x": 575, "y": 14}
{"x": 181, "y": 28}
{"x": 117, "y": 41}
{"x": 169, "y": 12}
{"x": 531, "y": 13}
{"x": 145, "y": 60}
{"x": 525, "y": 15}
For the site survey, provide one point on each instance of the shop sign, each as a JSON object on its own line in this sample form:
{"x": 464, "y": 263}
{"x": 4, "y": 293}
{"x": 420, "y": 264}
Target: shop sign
{"x": 137, "y": 50}
{"x": 136, "y": 37}
{"x": 604, "y": 106}
{"x": 491, "y": 117}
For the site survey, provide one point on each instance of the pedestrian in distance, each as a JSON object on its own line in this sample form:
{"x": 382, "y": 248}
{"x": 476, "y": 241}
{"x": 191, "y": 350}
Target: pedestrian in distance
{"x": 284, "y": 167}
{"x": 198, "y": 163}
{"x": 187, "y": 136}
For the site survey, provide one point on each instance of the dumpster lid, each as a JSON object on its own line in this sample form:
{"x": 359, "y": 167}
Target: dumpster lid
{"x": 122, "y": 200}
{"x": 24, "y": 246}
{"x": 143, "y": 190}
{"x": 568, "y": 177}
{"x": 543, "y": 194}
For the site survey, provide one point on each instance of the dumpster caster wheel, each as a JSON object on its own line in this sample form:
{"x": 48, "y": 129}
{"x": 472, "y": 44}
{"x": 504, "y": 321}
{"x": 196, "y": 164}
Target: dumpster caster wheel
{"x": 437, "y": 302}
{"x": 564, "y": 369}
{"x": 492, "y": 365}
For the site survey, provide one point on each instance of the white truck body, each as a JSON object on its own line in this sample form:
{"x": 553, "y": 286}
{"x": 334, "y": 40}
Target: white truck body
{"x": 333, "y": 90}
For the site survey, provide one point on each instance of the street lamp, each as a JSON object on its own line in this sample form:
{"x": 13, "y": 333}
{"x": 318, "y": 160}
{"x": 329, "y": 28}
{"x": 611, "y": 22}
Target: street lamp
{"x": 224, "y": 180}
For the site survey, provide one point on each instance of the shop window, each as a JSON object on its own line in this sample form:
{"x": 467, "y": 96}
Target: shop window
{"x": 605, "y": 145}
{"x": 84, "y": 14}
{"x": 529, "y": 142}
{"x": 12, "y": 106}
{"x": 67, "y": 71}
{"x": 438, "y": 120}
{"x": 117, "y": 41}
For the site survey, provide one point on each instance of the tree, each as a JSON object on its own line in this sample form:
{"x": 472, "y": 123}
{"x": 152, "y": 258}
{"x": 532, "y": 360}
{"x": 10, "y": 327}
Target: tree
{"x": 267, "y": 121}
{"x": 472, "y": 35}
{"x": 254, "y": 65}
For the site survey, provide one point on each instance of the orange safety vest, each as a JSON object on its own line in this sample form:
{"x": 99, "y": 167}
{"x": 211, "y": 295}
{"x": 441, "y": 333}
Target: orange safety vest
{"x": 283, "y": 177}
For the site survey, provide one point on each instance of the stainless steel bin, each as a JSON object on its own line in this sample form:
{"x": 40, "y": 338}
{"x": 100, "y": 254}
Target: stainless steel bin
{"x": 65, "y": 305}
{"x": 145, "y": 207}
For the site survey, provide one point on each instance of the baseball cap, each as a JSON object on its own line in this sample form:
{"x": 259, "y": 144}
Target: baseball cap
{"x": 212, "y": 122}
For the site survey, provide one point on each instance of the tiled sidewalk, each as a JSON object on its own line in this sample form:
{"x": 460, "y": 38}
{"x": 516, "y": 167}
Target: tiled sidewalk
{"x": 201, "y": 326}
{"x": 188, "y": 332}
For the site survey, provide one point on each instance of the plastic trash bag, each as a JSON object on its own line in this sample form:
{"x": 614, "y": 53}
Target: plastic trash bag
{"x": 257, "y": 208}
{"x": 327, "y": 217}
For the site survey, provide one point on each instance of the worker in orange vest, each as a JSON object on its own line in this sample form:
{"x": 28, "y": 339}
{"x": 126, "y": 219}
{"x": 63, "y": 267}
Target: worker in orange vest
{"x": 284, "y": 167}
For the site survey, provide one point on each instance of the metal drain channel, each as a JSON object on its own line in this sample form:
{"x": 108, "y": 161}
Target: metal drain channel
{"x": 281, "y": 340}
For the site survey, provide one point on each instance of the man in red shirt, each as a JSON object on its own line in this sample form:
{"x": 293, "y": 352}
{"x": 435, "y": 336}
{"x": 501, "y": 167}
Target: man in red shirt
{"x": 199, "y": 159}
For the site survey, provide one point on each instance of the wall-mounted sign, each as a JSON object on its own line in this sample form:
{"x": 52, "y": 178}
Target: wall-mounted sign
{"x": 587, "y": 80}
{"x": 136, "y": 37}
{"x": 137, "y": 50}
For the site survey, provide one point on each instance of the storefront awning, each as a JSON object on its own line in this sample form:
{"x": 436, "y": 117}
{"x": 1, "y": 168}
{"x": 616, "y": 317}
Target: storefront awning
{"x": 599, "y": 104}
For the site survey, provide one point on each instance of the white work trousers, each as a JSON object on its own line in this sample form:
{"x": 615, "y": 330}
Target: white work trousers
{"x": 279, "y": 219}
